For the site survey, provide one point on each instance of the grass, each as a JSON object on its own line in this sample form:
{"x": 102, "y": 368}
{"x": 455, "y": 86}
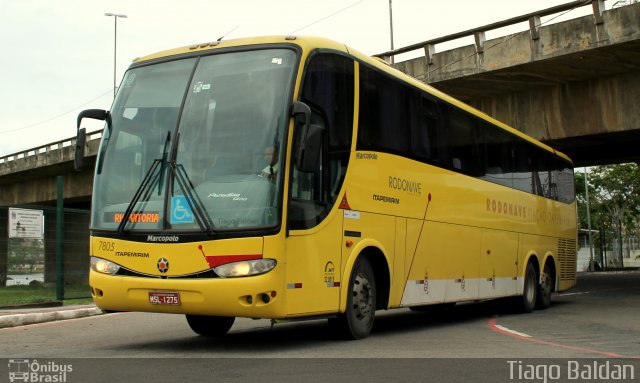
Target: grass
{"x": 25, "y": 295}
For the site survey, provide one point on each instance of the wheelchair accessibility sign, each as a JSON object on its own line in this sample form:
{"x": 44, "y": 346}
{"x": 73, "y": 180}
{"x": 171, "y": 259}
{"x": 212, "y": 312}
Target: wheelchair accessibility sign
{"x": 180, "y": 210}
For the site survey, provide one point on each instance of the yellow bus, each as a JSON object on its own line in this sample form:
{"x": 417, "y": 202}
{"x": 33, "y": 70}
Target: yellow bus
{"x": 293, "y": 177}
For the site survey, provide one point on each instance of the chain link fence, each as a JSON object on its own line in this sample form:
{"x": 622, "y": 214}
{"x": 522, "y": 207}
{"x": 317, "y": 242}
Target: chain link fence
{"x": 609, "y": 252}
{"x": 44, "y": 255}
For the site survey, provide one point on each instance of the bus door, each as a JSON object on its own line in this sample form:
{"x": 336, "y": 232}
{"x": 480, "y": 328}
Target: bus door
{"x": 314, "y": 244}
{"x": 314, "y": 220}
{"x": 313, "y": 260}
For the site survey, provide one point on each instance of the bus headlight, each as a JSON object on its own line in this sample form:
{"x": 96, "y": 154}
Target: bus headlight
{"x": 245, "y": 268}
{"x": 103, "y": 266}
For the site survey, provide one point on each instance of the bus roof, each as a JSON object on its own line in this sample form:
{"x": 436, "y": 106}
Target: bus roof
{"x": 308, "y": 43}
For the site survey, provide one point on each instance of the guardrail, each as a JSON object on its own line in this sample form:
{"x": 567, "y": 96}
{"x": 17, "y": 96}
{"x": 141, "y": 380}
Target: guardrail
{"x": 479, "y": 33}
{"x": 45, "y": 149}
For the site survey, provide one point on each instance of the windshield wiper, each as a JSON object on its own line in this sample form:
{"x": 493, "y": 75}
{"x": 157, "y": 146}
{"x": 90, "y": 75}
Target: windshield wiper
{"x": 156, "y": 174}
{"x": 150, "y": 178}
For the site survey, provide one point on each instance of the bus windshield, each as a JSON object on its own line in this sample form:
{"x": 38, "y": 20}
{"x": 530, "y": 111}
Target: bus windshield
{"x": 194, "y": 144}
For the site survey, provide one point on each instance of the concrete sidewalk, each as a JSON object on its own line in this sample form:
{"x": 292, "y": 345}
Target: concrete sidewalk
{"x": 12, "y": 317}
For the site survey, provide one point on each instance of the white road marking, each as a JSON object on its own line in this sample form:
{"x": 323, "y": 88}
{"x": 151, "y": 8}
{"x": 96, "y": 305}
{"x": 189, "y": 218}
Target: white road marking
{"x": 513, "y": 331}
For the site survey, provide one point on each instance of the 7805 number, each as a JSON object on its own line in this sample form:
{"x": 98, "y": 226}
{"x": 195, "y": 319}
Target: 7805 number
{"x": 106, "y": 246}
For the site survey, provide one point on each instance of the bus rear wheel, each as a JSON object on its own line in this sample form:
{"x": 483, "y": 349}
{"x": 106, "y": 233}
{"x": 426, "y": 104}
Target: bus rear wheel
{"x": 357, "y": 321}
{"x": 210, "y": 325}
{"x": 545, "y": 288}
{"x": 530, "y": 291}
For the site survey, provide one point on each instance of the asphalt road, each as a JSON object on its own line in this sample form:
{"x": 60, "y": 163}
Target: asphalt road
{"x": 600, "y": 318}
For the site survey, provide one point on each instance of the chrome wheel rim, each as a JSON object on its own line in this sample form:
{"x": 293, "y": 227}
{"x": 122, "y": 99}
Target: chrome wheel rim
{"x": 362, "y": 297}
{"x": 545, "y": 284}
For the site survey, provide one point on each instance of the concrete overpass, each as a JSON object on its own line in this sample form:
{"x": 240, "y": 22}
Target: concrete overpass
{"x": 30, "y": 176}
{"x": 574, "y": 85}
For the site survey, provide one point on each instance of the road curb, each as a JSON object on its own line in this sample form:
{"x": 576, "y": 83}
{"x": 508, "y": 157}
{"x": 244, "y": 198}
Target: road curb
{"x": 15, "y": 320}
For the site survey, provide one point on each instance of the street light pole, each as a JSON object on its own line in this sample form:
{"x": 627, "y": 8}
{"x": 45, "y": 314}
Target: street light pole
{"x": 115, "y": 45}
{"x": 391, "y": 26}
{"x": 586, "y": 191}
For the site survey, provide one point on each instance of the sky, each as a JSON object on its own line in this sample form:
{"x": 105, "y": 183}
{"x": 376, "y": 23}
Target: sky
{"x": 58, "y": 55}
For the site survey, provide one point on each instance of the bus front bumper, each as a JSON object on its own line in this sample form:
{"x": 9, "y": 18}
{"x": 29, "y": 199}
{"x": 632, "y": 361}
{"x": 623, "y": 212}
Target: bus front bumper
{"x": 259, "y": 296}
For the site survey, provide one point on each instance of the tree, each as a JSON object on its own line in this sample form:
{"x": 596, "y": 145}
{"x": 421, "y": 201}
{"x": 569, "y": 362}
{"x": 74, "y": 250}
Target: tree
{"x": 614, "y": 196}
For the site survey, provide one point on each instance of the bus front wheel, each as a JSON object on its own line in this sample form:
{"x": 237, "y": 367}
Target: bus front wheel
{"x": 210, "y": 325}
{"x": 357, "y": 321}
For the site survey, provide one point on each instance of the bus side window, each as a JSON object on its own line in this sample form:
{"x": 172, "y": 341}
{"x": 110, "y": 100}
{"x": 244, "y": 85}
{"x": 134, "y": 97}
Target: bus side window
{"x": 565, "y": 181}
{"x": 384, "y": 113}
{"x": 426, "y": 140}
{"x": 497, "y": 155}
{"x": 542, "y": 175}
{"x": 554, "y": 176}
{"x": 522, "y": 171}
{"x": 463, "y": 142}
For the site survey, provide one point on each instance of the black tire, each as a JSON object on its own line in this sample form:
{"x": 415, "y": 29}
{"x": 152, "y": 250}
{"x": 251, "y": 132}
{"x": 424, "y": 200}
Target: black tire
{"x": 545, "y": 288}
{"x": 357, "y": 321}
{"x": 210, "y": 325}
{"x": 530, "y": 290}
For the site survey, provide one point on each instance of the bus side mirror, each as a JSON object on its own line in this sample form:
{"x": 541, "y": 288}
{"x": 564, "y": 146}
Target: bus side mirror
{"x": 78, "y": 160}
{"x": 307, "y": 159}
{"x": 309, "y": 138}
{"x": 81, "y": 138}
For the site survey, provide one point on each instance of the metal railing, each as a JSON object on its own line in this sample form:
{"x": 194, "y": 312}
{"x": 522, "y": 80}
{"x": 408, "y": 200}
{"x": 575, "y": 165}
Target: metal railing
{"x": 45, "y": 149}
{"x": 479, "y": 33}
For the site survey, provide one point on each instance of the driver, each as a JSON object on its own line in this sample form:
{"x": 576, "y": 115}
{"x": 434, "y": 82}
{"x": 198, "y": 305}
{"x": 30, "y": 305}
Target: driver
{"x": 271, "y": 154}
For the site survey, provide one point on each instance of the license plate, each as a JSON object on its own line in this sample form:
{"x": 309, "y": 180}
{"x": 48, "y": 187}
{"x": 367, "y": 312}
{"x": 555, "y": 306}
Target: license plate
{"x": 170, "y": 298}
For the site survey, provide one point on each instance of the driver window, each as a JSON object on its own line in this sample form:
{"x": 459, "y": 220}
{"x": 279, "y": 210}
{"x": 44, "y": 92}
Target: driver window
{"x": 328, "y": 89}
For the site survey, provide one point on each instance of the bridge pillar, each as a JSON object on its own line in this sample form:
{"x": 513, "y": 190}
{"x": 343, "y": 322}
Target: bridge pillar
{"x": 50, "y": 247}
{"x": 4, "y": 246}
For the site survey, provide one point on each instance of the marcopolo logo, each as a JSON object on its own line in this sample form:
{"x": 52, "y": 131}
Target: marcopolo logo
{"x": 162, "y": 238}
{"x": 163, "y": 265}
{"x": 25, "y": 370}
